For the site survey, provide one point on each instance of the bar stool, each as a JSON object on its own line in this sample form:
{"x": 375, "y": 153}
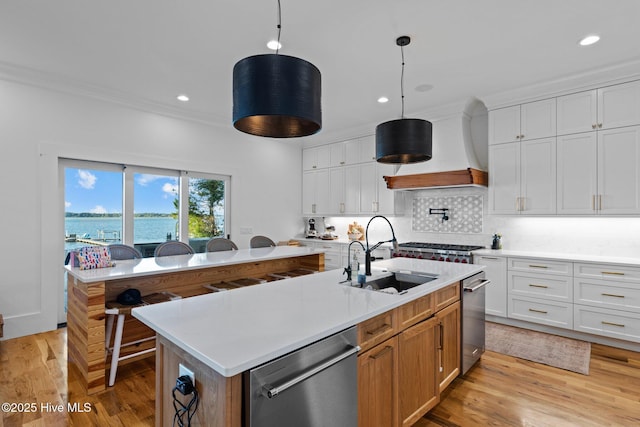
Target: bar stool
{"x": 219, "y": 244}
{"x": 261, "y": 242}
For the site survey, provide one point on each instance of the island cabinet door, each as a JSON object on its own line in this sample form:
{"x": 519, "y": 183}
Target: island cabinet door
{"x": 448, "y": 345}
{"x": 417, "y": 371}
{"x": 378, "y": 385}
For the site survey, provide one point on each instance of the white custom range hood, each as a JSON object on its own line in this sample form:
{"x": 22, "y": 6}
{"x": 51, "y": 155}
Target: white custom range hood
{"x": 460, "y": 143}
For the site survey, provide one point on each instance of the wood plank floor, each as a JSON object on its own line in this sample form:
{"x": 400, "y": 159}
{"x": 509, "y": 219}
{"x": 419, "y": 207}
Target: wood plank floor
{"x": 499, "y": 391}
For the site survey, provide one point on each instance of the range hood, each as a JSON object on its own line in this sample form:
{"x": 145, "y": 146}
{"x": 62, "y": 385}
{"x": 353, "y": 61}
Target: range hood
{"x": 460, "y": 145}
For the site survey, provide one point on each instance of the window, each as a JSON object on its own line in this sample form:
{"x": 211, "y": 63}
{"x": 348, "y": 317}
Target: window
{"x": 142, "y": 207}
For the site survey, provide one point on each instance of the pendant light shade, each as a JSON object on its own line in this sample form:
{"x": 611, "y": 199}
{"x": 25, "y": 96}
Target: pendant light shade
{"x": 403, "y": 141}
{"x": 276, "y": 96}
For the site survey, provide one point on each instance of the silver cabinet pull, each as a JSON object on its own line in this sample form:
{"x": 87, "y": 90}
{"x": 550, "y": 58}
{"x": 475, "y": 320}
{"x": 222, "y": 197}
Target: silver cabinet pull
{"x": 533, "y": 285}
{"x": 593, "y": 126}
{"x": 599, "y": 202}
{"x": 478, "y": 286}
{"x": 489, "y": 257}
{"x": 272, "y": 391}
{"x": 313, "y": 208}
{"x": 341, "y": 207}
{"x": 537, "y": 311}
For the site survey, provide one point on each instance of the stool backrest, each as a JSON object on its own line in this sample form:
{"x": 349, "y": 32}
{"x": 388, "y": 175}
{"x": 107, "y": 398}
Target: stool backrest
{"x": 119, "y": 251}
{"x": 218, "y": 244}
{"x": 261, "y": 242}
{"x": 172, "y": 247}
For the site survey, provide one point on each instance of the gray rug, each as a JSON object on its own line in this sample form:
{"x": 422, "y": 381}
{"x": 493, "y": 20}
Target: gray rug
{"x": 565, "y": 353}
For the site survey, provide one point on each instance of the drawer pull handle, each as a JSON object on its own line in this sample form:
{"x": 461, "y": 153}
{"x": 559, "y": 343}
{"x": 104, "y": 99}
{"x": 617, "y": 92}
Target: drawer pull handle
{"x": 379, "y": 330}
{"x": 613, "y": 324}
{"x": 537, "y": 266}
{"x": 614, "y": 273}
{"x": 488, "y": 257}
{"x": 613, "y": 295}
{"x": 533, "y": 285}
{"x": 381, "y": 353}
{"x": 537, "y": 311}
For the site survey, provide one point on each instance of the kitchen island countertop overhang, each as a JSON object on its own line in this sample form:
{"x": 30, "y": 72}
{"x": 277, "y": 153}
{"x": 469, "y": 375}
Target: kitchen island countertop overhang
{"x": 237, "y": 330}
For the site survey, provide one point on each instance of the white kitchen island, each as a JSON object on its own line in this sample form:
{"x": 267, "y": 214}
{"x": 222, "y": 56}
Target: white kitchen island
{"x": 222, "y": 335}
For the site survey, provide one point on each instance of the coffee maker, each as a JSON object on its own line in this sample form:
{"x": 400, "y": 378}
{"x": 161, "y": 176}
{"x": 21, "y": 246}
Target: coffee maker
{"x": 311, "y": 229}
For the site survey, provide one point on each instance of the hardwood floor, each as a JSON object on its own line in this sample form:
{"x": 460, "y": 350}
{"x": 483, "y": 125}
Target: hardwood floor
{"x": 499, "y": 391}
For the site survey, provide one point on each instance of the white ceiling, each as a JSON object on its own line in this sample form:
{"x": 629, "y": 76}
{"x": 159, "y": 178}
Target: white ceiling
{"x": 148, "y": 51}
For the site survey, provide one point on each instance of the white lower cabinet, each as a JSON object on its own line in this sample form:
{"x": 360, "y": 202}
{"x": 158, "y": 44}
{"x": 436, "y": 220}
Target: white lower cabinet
{"x": 496, "y": 291}
{"x": 618, "y": 324}
{"x": 547, "y": 312}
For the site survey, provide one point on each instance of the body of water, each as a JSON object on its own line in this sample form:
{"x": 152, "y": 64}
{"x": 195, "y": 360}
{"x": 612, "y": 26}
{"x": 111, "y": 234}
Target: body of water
{"x": 145, "y": 229}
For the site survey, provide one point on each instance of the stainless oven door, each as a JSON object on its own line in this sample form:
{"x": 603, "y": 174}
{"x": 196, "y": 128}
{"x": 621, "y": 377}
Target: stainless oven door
{"x": 311, "y": 387}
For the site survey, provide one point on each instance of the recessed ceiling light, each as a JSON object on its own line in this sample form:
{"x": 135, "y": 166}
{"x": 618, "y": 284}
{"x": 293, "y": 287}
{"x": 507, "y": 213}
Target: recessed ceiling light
{"x": 383, "y": 99}
{"x": 183, "y": 98}
{"x": 274, "y": 45}
{"x": 589, "y": 40}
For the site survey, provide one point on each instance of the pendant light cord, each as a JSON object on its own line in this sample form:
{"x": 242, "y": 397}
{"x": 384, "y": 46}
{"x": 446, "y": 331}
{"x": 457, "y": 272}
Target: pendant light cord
{"x": 279, "y": 26}
{"x": 402, "y": 82}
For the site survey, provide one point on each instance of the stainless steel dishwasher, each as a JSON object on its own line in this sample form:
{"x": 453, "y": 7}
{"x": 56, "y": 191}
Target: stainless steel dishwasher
{"x": 315, "y": 386}
{"x": 473, "y": 300}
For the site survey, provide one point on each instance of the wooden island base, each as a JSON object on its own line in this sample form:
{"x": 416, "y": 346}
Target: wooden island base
{"x": 86, "y": 306}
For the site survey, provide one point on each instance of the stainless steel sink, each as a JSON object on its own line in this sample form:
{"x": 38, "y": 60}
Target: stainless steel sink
{"x": 399, "y": 283}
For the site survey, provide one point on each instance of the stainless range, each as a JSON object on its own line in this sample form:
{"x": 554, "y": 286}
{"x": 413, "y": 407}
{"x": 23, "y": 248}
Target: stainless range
{"x": 436, "y": 251}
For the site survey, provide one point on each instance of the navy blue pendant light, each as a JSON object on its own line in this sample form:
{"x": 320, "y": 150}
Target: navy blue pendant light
{"x": 403, "y": 140}
{"x": 276, "y": 95}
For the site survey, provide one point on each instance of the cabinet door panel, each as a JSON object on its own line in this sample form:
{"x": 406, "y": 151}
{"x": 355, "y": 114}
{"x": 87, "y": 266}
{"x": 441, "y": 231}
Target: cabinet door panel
{"x": 538, "y": 175}
{"x": 336, "y": 190}
{"x": 323, "y": 192}
{"x": 576, "y": 173}
{"x": 619, "y": 171}
{"x": 496, "y": 291}
{"x": 309, "y": 183}
{"x": 417, "y": 371}
{"x": 504, "y": 178}
{"x": 352, "y": 189}
{"x": 449, "y": 346}
{"x": 337, "y": 154}
{"x": 619, "y": 105}
{"x": 538, "y": 119}
{"x": 377, "y": 386}
{"x": 504, "y": 125}
{"x": 368, "y": 188}
{"x": 577, "y": 112}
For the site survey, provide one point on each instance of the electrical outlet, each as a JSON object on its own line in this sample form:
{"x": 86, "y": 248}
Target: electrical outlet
{"x": 183, "y": 370}
{"x": 246, "y": 230}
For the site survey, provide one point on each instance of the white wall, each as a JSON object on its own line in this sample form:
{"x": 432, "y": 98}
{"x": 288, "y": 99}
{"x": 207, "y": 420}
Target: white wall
{"x": 37, "y": 126}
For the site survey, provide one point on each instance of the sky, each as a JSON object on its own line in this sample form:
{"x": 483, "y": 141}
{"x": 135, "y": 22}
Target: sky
{"x": 99, "y": 191}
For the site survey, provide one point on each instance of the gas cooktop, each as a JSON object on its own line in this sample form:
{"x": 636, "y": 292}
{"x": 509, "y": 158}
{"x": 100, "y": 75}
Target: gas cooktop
{"x": 440, "y": 246}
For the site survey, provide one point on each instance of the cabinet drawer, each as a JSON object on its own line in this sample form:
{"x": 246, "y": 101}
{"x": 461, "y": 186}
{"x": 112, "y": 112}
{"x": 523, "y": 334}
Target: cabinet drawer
{"x": 446, "y": 296}
{"x": 376, "y": 330}
{"x": 553, "y": 313}
{"x": 541, "y": 266}
{"x": 609, "y": 323}
{"x": 415, "y": 311}
{"x": 547, "y": 286}
{"x": 617, "y": 273}
{"x": 604, "y": 293}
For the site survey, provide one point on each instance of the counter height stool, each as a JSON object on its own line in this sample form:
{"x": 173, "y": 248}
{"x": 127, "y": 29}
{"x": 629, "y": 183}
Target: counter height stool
{"x": 119, "y": 251}
{"x": 261, "y": 242}
{"x": 172, "y": 247}
{"x": 218, "y": 244}
{"x": 115, "y": 309}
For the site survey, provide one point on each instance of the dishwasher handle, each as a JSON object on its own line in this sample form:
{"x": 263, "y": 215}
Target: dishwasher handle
{"x": 480, "y": 285}
{"x": 272, "y": 391}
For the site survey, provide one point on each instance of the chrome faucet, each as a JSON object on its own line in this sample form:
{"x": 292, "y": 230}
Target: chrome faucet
{"x": 348, "y": 269}
{"x": 367, "y": 252}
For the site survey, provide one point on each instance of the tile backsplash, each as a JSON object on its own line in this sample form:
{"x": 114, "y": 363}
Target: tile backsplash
{"x": 464, "y": 212}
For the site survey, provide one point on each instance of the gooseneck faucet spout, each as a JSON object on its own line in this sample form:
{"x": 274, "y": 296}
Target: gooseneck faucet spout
{"x": 367, "y": 252}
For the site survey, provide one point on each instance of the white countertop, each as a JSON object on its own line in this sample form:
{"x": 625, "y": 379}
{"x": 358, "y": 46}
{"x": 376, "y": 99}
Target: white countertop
{"x": 234, "y": 331}
{"x": 149, "y": 266}
{"x": 560, "y": 256}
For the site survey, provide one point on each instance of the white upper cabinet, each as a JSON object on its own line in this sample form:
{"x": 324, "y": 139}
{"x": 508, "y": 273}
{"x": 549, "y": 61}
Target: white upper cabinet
{"x": 577, "y": 112}
{"x": 337, "y": 154}
{"x": 523, "y": 122}
{"x": 316, "y": 157}
{"x": 619, "y": 105}
{"x": 336, "y": 190}
{"x": 619, "y": 171}
{"x": 599, "y": 172}
{"x": 577, "y": 174}
{"x": 316, "y": 188}
{"x": 504, "y": 178}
